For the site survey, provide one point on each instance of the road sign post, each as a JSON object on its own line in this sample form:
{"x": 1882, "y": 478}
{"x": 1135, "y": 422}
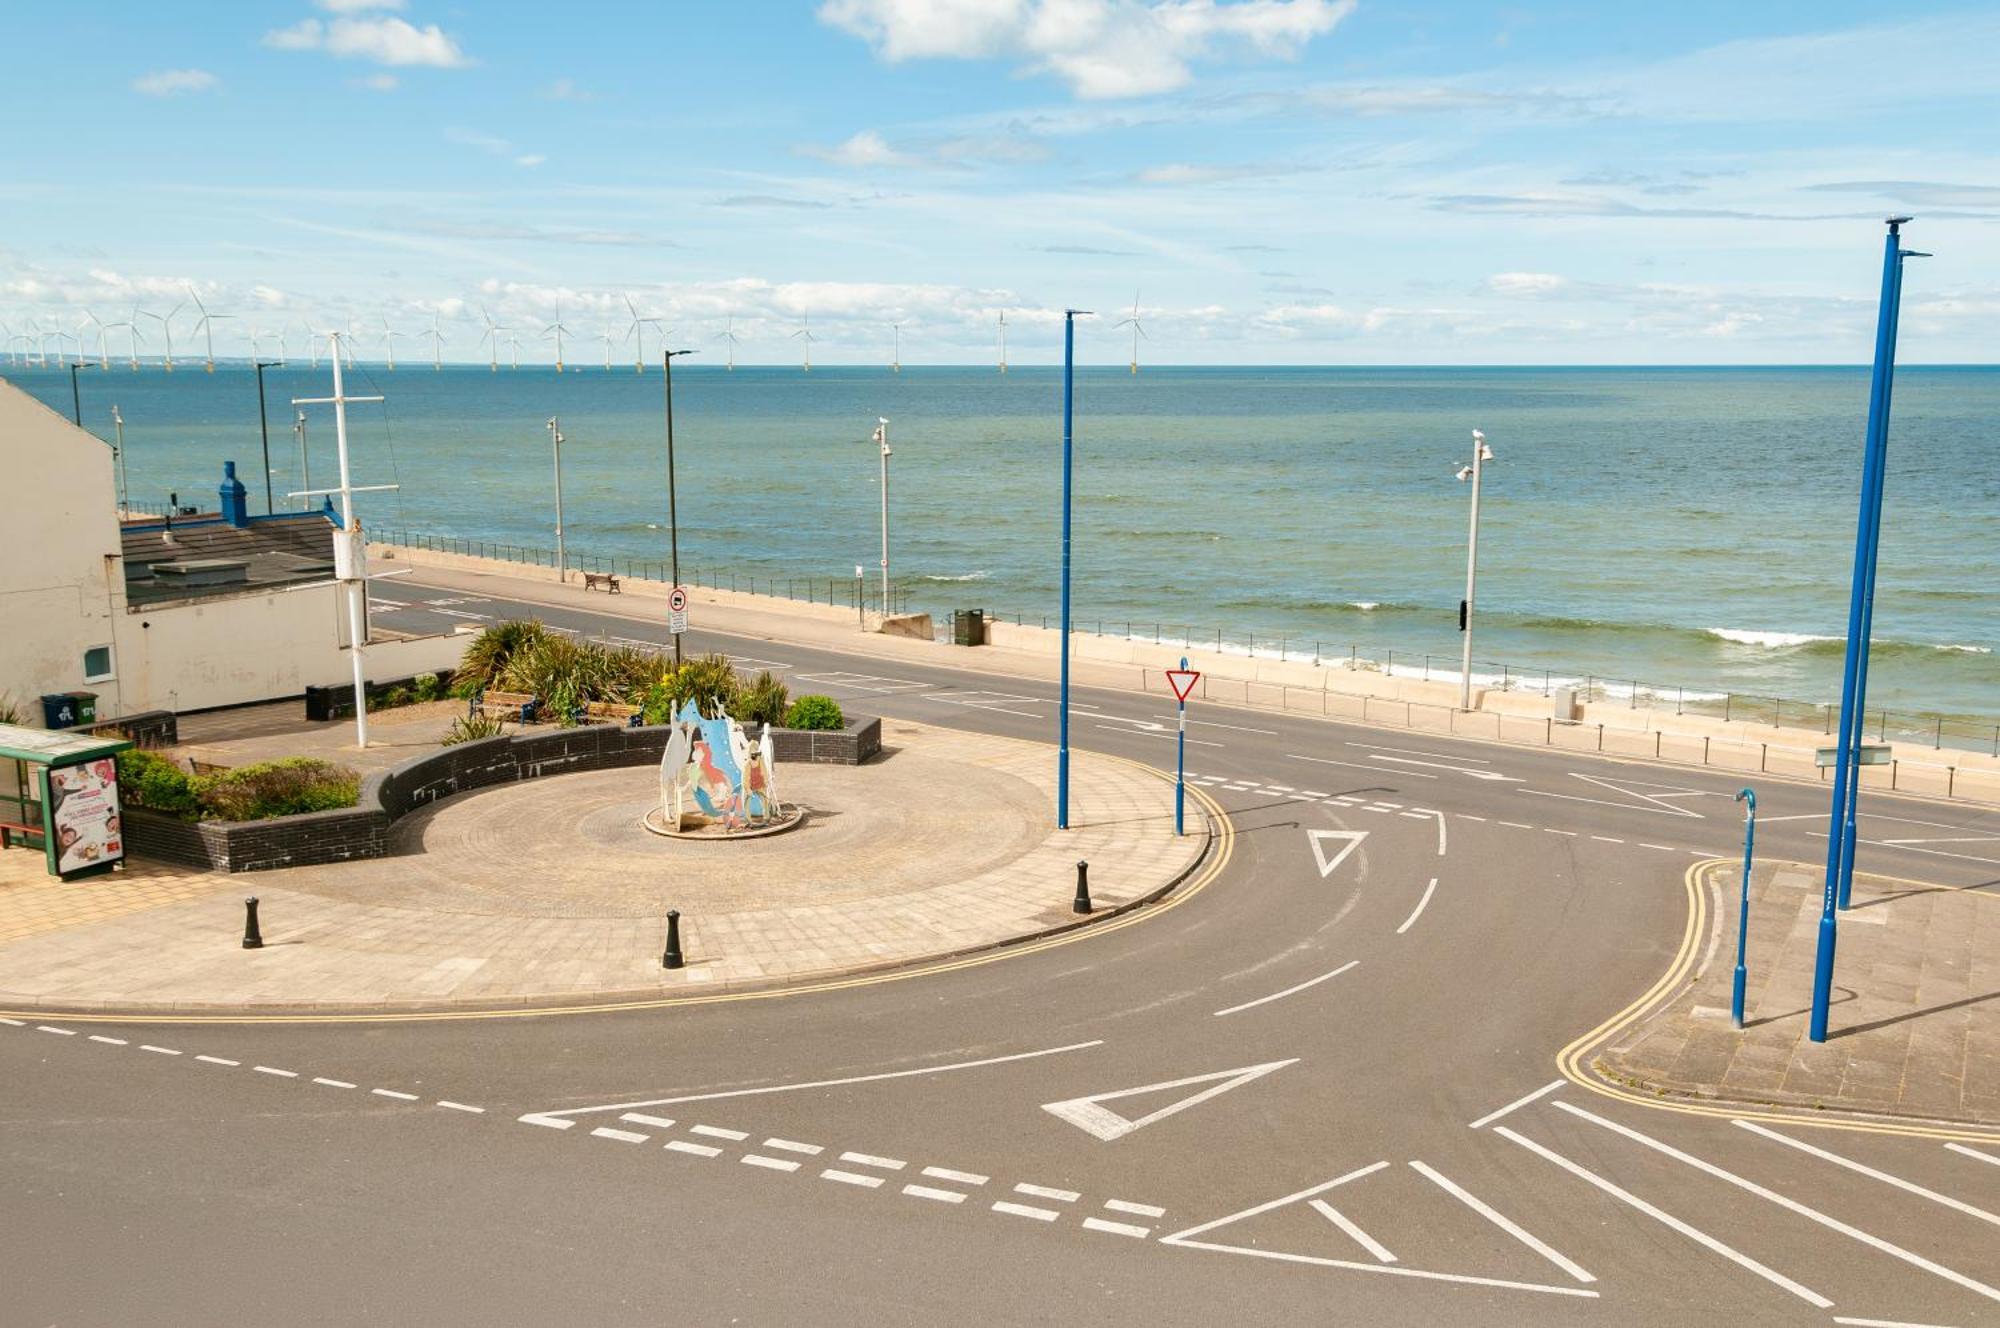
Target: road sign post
{"x": 677, "y": 612}
{"x": 1748, "y": 797}
{"x": 1182, "y": 680}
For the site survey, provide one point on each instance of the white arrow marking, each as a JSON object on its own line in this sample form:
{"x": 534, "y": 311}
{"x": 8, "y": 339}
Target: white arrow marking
{"x": 1088, "y": 1116}
{"x": 1318, "y": 838}
{"x": 1493, "y": 775}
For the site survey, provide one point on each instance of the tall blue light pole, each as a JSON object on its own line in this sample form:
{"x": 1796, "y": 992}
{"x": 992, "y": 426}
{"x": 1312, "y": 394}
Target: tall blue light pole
{"x": 1748, "y": 797}
{"x": 1062, "y": 707}
{"x": 1860, "y": 614}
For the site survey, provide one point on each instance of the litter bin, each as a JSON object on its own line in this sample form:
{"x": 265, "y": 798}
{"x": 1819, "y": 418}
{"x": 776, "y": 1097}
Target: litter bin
{"x": 968, "y": 627}
{"x": 67, "y": 710}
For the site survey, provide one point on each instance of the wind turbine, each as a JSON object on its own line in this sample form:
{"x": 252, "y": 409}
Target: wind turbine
{"x": 805, "y": 333}
{"x": 1137, "y": 331}
{"x": 1003, "y": 341}
{"x": 7, "y": 344}
{"x": 312, "y": 341}
{"x": 896, "y": 361}
{"x": 638, "y": 331}
{"x": 558, "y": 329}
{"x": 728, "y": 334}
{"x": 492, "y": 340}
{"x": 167, "y": 331}
{"x": 255, "y": 354}
{"x": 283, "y": 354}
{"x": 605, "y": 337}
{"x": 514, "y": 348}
{"x": 205, "y": 325}
{"x": 131, "y": 326}
{"x": 437, "y": 344}
{"x": 389, "y": 335}
{"x": 103, "y": 339}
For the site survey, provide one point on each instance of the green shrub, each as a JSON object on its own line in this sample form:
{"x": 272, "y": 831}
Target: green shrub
{"x": 487, "y": 658}
{"x": 277, "y": 788}
{"x": 10, "y": 712}
{"x": 389, "y": 700}
{"x": 566, "y": 673}
{"x": 150, "y": 780}
{"x": 427, "y": 687}
{"x": 815, "y": 712}
{"x": 763, "y": 701}
{"x": 709, "y": 681}
{"x": 471, "y": 728}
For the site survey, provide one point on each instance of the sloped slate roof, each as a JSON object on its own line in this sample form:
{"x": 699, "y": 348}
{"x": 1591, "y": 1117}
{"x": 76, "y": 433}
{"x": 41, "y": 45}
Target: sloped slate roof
{"x": 288, "y": 549}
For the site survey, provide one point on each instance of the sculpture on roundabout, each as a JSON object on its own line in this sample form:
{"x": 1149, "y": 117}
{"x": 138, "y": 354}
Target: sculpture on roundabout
{"x": 710, "y": 776}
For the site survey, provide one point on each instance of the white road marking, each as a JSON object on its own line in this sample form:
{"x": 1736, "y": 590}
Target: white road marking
{"x": 1468, "y": 816}
{"x": 342, "y": 1083}
{"x": 1383, "y": 810}
{"x": 1883, "y": 1176}
{"x": 16, "y": 1023}
{"x": 1606, "y": 839}
{"x": 768, "y": 1163}
{"x": 1882, "y": 1323}
{"x": 1317, "y": 839}
{"x": 1647, "y": 802}
{"x": 272, "y": 1069}
{"x": 1023, "y": 1210}
{"x": 1240, "y": 788}
{"x": 1518, "y": 1103}
{"x": 1289, "y": 991}
{"x": 1431, "y": 811}
{"x": 932, "y": 1192}
{"x": 390, "y": 1092}
{"x": 1701, "y": 1238}
{"x": 460, "y": 1106}
{"x": 546, "y": 1122}
{"x": 1911, "y": 848}
{"x": 1355, "y": 1233}
{"x": 1356, "y": 765}
{"x": 163, "y": 1051}
{"x": 1515, "y": 825}
{"x": 1416, "y": 816}
{"x": 544, "y": 1117}
{"x": 1088, "y": 1115}
{"x": 1789, "y": 1204}
{"x": 1664, "y": 848}
{"x": 699, "y": 1150}
{"x": 622, "y": 1136}
{"x": 1281, "y": 788}
{"x": 1418, "y": 911}
{"x": 1412, "y": 751}
{"x": 1552, "y": 830}
{"x": 112, "y": 1041}
{"x": 641, "y": 1118}
{"x": 717, "y": 1132}
{"x": 851, "y": 1178}
{"x": 1136, "y": 1209}
{"x": 1314, "y": 793}
{"x": 870, "y": 1160}
{"x": 1974, "y": 1152}
{"x": 219, "y": 1060}
{"x": 1506, "y": 1224}
{"x": 1045, "y": 1192}
{"x": 792, "y": 1146}
{"x": 962, "y": 1177}
{"x": 459, "y": 613}
{"x": 1215, "y": 724}
{"x": 59, "y": 1032}
{"x": 1116, "y": 1228}
{"x": 1152, "y": 731}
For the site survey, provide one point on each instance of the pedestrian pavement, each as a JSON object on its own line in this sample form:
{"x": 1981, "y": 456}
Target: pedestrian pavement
{"x": 550, "y": 892}
{"x": 1914, "y": 1023}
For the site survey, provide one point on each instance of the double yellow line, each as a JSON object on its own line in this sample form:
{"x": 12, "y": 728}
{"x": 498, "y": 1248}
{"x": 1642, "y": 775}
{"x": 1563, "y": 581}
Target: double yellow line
{"x": 1574, "y": 1059}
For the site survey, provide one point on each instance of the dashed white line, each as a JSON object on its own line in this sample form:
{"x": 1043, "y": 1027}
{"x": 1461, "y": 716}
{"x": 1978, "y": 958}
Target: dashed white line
{"x": 1044, "y": 1192}
{"x": 112, "y": 1041}
{"x": 699, "y": 1150}
{"x": 547, "y": 1122}
{"x": 851, "y": 1178}
{"x": 1136, "y": 1209}
{"x": 1907, "y": 1187}
{"x": 641, "y": 1118}
{"x": 342, "y": 1083}
{"x": 1974, "y": 1152}
{"x": 962, "y": 1177}
{"x": 717, "y": 1132}
{"x": 1281, "y": 788}
{"x": 274, "y": 1070}
{"x": 1506, "y": 1224}
{"x": 1289, "y": 991}
{"x": 794, "y": 1146}
{"x": 1518, "y": 1103}
{"x": 768, "y": 1163}
{"x": 1360, "y": 1237}
{"x": 460, "y": 1106}
{"x": 1468, "y": 816}
{"x": 1882, "y": 1323}
{"x": 1549, "y": 829}
{"x": 1664, "y": 848}
{"x": 1515, "y": 825}
{"x": 59, "y": 1032}
{"x": 1418, "y": 911}
{"x": 870, "y": 1160}
{"x": 1392, "y": 806}
{"x": 1024, "y": 1210}
{"x": 622, "y": 1136}
{"x": 1606, "y": 839}
{"x": 390, "y": 1092}
{"x": 161, "y": 1051}
{"x": 219, "y": 1060}
{"x": 1315, "y": 793}
{"x": 930, "y": 1192}
{"x": 1417, "y": 816}
{"x": 1116, "y": 1228}
{"x": 16, "y": 1023}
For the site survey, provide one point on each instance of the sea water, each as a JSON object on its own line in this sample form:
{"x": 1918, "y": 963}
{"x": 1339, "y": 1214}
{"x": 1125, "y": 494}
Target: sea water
{"x": 1687, "y": 528}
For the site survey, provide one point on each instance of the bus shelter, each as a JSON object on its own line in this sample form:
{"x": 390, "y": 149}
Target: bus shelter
{"x": 59, "y": 794}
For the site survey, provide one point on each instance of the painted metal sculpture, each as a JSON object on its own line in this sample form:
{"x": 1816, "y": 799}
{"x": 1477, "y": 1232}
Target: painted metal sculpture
{"x": 710, "y": 771}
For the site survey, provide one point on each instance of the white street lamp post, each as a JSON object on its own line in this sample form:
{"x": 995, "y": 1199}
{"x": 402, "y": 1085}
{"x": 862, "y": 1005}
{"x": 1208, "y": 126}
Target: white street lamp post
{"x": 562, "y": 562}
{"x": 1481, "y": 454}
{"x": 882, "y": 438}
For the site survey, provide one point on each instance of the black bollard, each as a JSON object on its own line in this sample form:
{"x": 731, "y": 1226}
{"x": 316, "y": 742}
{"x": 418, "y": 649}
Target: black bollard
{"x": 1082, "y": 904}
{"x": 253, "y": 939}
{"x": 672, "y": 958}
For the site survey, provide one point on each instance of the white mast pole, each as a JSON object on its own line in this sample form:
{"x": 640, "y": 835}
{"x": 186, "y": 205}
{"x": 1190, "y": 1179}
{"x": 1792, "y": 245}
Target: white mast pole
{"x": 1479, "y": 455}
{"x": 882, "y": 437}
{"x": 357, "y": 588}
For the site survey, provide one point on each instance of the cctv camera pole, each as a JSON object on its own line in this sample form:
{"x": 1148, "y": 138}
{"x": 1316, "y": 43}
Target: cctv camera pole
{"x": 1479, "y": 455}
{"x": 556, "y": 439}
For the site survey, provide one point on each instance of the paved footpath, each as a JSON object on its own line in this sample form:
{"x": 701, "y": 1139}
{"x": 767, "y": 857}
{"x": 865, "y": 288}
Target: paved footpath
{"x": 549, "y": 892}
{"x": 1914, "y": 1026}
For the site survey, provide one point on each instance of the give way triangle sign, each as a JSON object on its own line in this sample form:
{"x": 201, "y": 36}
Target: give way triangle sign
{"x": 1183, "y": 681}
{"x": 1091, "y": 1116}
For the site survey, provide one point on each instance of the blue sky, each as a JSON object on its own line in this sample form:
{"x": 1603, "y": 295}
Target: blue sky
{"x": 1293, "y": 181}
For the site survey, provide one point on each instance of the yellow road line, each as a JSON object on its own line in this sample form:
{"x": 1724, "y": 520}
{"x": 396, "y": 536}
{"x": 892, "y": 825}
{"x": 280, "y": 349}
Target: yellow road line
{"x": 1221, "y": 850}
{"x": 1573, "y": 1060}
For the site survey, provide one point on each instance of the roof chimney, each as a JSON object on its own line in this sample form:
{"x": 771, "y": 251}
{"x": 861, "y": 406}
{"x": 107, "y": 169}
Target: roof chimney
{"x": 235, "y": 503}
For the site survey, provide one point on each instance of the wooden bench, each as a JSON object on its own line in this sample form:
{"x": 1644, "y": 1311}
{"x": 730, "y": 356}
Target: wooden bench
{"x": 630, "y": 715}
{"x": 517, "y": 706}
{"x": 609, "y": 580}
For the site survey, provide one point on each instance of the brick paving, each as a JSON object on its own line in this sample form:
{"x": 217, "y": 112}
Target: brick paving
{"x": 548, "y": 892}
{"x": 1914, "y": 1025}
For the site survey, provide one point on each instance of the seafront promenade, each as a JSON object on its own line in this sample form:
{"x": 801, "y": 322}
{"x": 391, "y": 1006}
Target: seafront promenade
{"x": 1359, "y": 695}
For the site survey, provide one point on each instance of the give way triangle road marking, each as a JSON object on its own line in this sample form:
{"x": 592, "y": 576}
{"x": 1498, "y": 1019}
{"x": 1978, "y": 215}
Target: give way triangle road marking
{"x": 1318, "y": 838}
{"x": 1088, "y": 1115}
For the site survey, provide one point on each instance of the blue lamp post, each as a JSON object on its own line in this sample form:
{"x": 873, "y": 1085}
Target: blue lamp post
{"x": 1860, "y": 614}
{"x": 1062, "y": 707}
{"x": 1748, "y": 797}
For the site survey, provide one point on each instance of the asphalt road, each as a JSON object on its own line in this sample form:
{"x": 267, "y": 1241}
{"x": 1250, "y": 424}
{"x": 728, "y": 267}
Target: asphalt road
{"x": 1347, "y": 1108}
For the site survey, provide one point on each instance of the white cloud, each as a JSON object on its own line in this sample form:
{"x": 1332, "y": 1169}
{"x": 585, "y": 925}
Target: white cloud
{"x": 356, "y": 6}
{"x": 1101, "y": 48}
{"x": 530, "y": 159}
{"x": 379, "y": 82}
{"x": 566, "y": 89}
{"x": 1185, "y": 173}
{"x": 1525, "y": 283}
{"x": 863, "y": 150}
{"x": 173, "y": 82}
{"x": 493, "y": 145}
{"x": 386, "y": 41}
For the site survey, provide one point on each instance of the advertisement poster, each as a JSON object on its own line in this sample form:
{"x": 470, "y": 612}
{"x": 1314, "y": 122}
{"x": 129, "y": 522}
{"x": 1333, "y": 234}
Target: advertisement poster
{"x": 84, "y": 823}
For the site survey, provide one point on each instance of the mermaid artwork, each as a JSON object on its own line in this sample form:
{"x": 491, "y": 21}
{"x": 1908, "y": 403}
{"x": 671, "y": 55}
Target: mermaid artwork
{"x": 709, "y": 770}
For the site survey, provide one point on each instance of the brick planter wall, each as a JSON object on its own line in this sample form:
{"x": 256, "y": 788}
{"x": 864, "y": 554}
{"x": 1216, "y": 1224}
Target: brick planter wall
{"x": 362, "y": 831}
